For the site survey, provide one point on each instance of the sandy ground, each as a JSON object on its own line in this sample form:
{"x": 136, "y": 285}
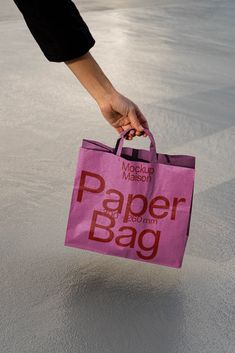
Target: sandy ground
{"x": 175, "y": 59}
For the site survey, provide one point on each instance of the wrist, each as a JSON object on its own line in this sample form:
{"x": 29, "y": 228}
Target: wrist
{"x": 104, "y": 93}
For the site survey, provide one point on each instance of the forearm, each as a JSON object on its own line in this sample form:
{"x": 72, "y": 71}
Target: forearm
{"x": 91, "y": 76}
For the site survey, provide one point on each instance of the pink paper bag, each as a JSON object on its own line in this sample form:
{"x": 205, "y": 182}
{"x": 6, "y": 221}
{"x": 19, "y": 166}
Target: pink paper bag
{"x": 132, "y": 203}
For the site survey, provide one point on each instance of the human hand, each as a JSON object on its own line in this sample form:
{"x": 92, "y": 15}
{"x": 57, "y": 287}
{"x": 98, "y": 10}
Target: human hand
{"x": 118, "y": 110}
{"x": 122, "y": 114}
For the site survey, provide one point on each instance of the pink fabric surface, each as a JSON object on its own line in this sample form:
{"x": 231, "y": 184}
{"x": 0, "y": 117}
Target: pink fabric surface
{"x": 131, "y": 203}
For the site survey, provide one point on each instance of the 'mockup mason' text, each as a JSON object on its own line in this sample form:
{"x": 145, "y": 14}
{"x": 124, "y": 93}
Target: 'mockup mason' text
{"x": 115, "y": 202}
{"x": 136, "y": 172}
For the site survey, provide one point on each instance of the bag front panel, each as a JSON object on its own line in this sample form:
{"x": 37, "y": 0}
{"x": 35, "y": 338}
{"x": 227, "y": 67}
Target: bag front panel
{"x": 130, "y": 209}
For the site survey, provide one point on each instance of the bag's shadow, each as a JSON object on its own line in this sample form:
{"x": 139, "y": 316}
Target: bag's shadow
{"x": 123, "y": 306}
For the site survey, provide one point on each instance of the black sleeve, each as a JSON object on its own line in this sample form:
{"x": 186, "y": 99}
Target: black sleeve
{"x": 58, "y": 28}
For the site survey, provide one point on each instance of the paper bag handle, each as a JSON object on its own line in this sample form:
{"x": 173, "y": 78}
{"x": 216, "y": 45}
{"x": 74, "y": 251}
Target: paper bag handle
{"x": 153, "y": 152}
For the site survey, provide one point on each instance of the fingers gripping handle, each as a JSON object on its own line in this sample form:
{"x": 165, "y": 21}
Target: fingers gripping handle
{"x": 153, "y": 152}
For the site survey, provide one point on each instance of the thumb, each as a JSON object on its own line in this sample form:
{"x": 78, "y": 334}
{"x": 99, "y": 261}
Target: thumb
{"x": 135, "y": 123}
